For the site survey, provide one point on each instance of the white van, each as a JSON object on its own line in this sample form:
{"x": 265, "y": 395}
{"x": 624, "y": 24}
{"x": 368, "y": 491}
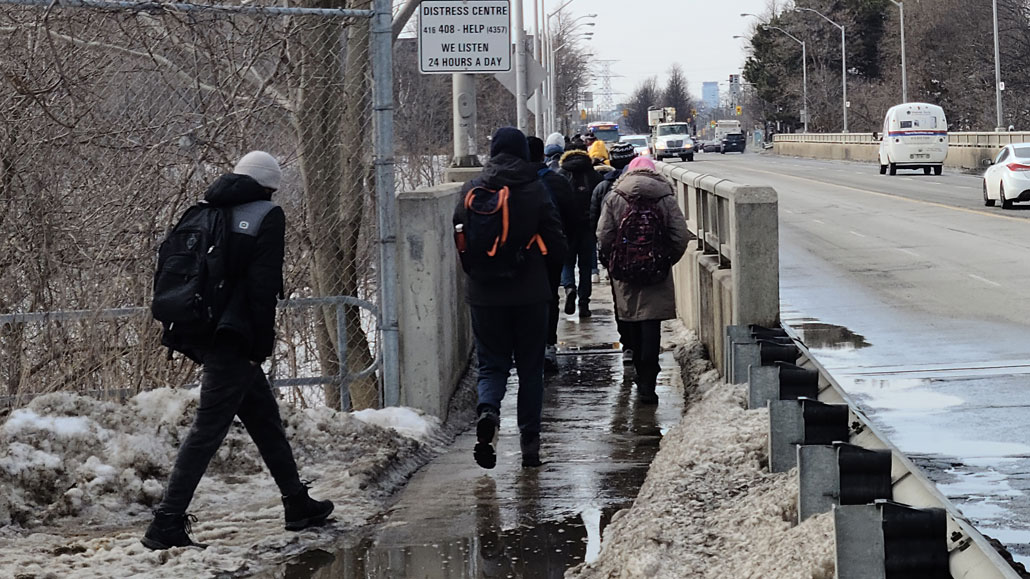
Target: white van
{"x": 915, "y": 136}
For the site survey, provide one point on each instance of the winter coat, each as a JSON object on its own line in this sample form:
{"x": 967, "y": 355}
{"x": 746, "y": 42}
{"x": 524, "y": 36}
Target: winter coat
{"x": 561, "y": 194}
{"x": 577, "y": 167}
{"x": 637, "y": 303}
{"x": 531, "y": 212}
{"x": 598, "y": 152}
{"x": 255, "y": 267}
{"x": 600, "y": 192}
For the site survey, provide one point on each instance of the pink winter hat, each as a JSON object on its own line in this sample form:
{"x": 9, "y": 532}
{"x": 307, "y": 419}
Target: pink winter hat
{"x": 640, "y": 163}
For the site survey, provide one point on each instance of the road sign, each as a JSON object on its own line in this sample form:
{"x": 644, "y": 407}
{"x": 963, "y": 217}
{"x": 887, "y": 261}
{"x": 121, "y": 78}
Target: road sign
{"x": 464, "y": 36}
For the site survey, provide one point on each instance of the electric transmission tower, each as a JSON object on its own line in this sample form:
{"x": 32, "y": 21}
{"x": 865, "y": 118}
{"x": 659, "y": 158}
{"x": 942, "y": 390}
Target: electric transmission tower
{"x": 606, "y": 100}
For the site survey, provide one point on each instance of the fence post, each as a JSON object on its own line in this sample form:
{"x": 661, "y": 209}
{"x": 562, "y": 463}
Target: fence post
{"x": 341, "y": 351}
{"x": 382, "y": 105}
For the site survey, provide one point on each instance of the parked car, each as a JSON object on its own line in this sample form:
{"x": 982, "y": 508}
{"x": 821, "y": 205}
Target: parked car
{"x": 639, "y": 143}
{"x": 733, "y": 142}
{"x": 1007, "y": 178}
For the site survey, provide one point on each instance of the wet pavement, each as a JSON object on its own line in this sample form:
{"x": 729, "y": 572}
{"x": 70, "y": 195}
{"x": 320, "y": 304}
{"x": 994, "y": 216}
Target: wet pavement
{"x": 455, "y": 520}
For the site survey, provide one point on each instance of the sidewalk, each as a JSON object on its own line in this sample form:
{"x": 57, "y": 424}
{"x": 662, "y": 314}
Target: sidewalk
{"x": 457, "y": 520}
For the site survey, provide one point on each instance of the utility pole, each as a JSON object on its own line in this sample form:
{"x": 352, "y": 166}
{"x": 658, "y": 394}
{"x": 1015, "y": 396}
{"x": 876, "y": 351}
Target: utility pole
{"x": 464, "y": 120}
{"x": 521, "y": 96}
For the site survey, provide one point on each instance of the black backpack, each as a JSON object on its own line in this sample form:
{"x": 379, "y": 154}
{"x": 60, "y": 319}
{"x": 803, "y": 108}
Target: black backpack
{"x": 486, "y": 256}
{"x": 191, "y": 283}
{"x": 639, "y": 255}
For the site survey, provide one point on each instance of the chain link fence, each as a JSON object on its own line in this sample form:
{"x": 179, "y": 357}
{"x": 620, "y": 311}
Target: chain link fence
{"x": 115, "y": 117}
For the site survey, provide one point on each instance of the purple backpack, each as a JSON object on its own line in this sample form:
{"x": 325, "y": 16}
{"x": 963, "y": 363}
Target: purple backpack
{"x": 639, "y": 255}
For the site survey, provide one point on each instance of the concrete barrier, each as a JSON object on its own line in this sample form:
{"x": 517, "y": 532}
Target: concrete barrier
{"x": 435, "y": 330}
{"x": 967, "y": 151}
{"x": 730, "y": 272}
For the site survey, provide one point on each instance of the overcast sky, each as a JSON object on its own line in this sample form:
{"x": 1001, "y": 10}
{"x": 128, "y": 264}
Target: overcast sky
{"x": 645, "y": 37}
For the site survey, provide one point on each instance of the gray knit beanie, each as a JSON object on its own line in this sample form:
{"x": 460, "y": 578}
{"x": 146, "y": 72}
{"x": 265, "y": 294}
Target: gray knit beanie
{"x": 261, "y": 167}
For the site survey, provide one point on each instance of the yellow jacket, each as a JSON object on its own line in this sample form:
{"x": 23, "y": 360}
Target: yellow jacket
{"x": 598, "y": 151}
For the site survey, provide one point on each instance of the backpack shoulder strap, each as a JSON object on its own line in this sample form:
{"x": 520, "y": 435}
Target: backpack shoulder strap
{"x": 247, "y": 217}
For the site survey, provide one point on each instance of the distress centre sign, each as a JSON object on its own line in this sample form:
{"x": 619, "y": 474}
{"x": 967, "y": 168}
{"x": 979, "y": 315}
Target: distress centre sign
{"x": 464, "y": 36}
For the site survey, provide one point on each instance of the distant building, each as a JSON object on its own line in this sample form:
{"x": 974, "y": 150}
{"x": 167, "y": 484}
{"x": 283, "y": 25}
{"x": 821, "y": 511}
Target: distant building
{"x": 710, "y": 94}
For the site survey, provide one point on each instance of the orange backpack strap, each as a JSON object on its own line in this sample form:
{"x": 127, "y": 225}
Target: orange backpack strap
{"x": 539, "y": 242}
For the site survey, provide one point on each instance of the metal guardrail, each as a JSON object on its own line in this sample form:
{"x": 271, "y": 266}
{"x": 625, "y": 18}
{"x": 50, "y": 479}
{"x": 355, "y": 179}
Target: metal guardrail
{"x": 975, "y": 140}
{"x": 970, "y": 554}
{"x": 342, "y": 380}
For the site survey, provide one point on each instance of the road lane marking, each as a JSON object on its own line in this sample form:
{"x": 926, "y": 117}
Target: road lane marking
{"x": 908, "y": 251}
{"x": 896, "y": 197}
{"x": 856, "y": 233}
{"x": 819, "y": 222}
{"x": 985, "y": 280}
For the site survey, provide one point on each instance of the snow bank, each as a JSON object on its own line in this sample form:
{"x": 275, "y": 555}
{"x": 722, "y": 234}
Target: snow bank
{"x": 80, "y": 477}
{"x": 708, "y": 507}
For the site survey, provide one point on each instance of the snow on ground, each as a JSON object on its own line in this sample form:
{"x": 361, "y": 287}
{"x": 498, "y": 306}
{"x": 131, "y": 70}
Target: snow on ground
{"x": 709, "y": 508}
{"x": 80, "y": 477}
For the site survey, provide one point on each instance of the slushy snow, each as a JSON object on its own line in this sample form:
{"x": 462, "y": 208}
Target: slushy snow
{"x": 80, "y": 477}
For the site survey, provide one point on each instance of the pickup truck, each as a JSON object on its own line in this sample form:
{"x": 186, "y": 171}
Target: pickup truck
{"x": 672, "y": 140}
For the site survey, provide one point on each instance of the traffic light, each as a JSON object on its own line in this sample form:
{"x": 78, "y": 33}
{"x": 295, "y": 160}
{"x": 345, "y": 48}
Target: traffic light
{"x": 739, "y": 110}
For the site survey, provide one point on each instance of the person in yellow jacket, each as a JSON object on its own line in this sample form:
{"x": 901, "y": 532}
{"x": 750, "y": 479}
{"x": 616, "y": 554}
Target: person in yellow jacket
{"x": 597, "y": 150}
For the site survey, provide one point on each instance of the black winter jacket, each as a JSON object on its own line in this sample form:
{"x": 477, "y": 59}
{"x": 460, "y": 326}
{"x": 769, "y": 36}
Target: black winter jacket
{"x": 531, "y": 213}
{"x": 578, "y": 168}
{"x": 256, "y": 264}
{"x": 561, "y": 193}
{"x": 600, "y": 192}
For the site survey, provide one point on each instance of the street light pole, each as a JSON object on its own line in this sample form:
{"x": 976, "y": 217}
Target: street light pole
{"x": 551, "y": 55}
{"x": 997, "y": 70}
{"x": 843, "y": 63}
{"x": 904, "y": 79}
{"x": 804, "y": 71}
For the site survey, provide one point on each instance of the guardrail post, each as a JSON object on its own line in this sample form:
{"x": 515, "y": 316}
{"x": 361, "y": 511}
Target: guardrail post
{"x": 841, "y": 474}
{"x": 780, "y": 381}
{"x": 802, "y": 421}
{"x": 888, "y": 540}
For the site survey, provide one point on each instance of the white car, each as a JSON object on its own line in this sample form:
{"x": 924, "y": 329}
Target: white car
{"x": 639, "y": 143}
{"x": 1007, "y": 179}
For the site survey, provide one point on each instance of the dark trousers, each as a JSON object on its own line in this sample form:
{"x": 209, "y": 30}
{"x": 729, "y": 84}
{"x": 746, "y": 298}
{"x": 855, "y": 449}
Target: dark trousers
{"x": 553, "y": 315}
{"x": 581, "y": 256}
{"x": 231, "y": 386}
{"x": 503, "y": 333}
{"x": 645, "y": 339}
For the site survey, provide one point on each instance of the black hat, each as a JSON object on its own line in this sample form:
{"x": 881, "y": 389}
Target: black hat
{"x": 509, "y": 140}
{"x": 620, "y": 154}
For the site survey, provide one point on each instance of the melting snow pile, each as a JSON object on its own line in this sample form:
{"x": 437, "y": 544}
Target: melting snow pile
{"x": 80, "y": 477}
{"x": 709, "y": 508}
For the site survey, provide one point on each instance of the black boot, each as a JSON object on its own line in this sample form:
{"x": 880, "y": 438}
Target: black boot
{"x": 487, "y": 427}
{"x": 646, "y": 393}
{"x": 570, "y": 300}
{"x": 584, "y": 308}
{"x": 530, "y": 444}
{"x": 303, "y": 511}
{"x": 169, "y": 530}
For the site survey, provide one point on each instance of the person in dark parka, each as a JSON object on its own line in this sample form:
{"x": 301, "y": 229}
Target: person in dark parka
{"x": 561, "y": 195}
{"x": 233, "y": 383}
{"x": 509, "y": 318}
{"x": 578, "y": 168}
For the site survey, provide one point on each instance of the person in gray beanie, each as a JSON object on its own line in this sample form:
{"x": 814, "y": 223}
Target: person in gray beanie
{"x": 554, "y": 146}
{"x": 232, "y": 382}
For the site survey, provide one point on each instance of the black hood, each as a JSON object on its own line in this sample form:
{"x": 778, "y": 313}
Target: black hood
{"x": 232, "y": 189}
{"x": 506, "y": 169}
{"x": 576, "y": 161}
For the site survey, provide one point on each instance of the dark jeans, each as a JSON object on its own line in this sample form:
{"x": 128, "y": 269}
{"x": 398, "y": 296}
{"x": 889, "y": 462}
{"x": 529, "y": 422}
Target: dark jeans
{"x": 582, "y": 253}
{"x": 505, "y": 332}
{"x": 645, "y": 339}
{"x": 231, "y": 386}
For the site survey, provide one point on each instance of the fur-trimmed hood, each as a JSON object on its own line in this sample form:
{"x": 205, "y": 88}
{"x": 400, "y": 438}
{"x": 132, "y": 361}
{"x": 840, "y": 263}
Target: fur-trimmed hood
{"x": 576, "y": 160}
{"x": 644, "y": 182}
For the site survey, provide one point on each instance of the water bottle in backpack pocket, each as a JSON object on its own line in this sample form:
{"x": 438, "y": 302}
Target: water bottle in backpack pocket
{"x": 639, "y": 255}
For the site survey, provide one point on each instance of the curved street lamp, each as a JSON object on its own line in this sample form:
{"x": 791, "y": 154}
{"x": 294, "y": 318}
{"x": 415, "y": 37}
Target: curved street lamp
{"x": 843, "y": 63}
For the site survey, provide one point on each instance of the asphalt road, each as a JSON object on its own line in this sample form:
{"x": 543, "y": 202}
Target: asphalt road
{"x": 913, "y": 294}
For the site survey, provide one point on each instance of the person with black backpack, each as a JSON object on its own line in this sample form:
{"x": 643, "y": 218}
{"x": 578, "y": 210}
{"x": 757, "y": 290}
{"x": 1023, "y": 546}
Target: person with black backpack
{"x": 219, "y": 274}
{"x": 508, "y": 234}
{"x": 578, "y": 168}
{"x": 641, "y": 234}
{"x": 561, "y": 195}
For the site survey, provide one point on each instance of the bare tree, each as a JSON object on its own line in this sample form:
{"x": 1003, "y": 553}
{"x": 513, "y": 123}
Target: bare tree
{"x": 645, "y": 96}
{"x": 676, "y": 94}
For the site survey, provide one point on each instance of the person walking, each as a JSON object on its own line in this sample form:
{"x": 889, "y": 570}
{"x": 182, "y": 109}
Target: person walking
{"x": 577, "y": 167}
{"x": 643, "y": 209}
{"x": 560, "y": 192}
{"x": 508, "y": 290}
{"x": 232, "y": 382}
{"x": 554, "y": 146}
